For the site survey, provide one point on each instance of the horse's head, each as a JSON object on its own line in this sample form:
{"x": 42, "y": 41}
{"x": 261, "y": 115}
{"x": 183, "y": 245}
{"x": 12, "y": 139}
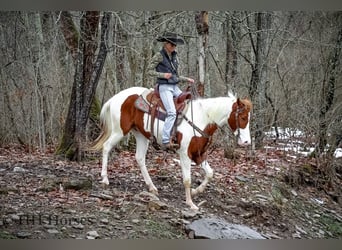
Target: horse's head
{"x": 239, "y": 121}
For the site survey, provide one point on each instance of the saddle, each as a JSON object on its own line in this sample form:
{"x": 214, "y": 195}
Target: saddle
{"x": 150, "y": 102}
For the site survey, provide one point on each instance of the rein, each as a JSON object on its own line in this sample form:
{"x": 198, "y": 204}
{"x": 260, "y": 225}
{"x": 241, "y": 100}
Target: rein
{"x": 204, "y": 134}
{"x": 196, "y": 128}
{"x": 194, "y": 93}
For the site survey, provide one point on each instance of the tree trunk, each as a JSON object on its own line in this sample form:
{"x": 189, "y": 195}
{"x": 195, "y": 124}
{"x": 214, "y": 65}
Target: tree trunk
{"x": 259, "y": 76}
{"x": 70, "y": 32}
{"x": 231, "y": 51}
{"x": 120, "y": 41}
{"x": 202, "y": 26}
{"x": 88, "y": 68}
{"x": 328, "y": 93}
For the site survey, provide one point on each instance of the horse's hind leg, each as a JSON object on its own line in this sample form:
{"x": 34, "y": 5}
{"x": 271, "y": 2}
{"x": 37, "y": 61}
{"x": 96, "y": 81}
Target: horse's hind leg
{"x": 209, "y": 173}
{"x": 107, "y": 147}
{"x": 140, "y": 156}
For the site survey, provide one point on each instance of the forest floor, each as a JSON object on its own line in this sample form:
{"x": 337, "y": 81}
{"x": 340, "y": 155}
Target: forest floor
{"x": 278, "y": 194}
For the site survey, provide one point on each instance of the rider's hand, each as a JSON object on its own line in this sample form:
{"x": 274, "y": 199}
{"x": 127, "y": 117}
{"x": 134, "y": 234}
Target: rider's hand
{"x": 190, "y": 80}
{"x": 167, "y": 75}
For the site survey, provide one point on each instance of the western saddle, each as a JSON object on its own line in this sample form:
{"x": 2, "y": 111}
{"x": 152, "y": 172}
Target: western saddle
{"x": 154, "y": 106}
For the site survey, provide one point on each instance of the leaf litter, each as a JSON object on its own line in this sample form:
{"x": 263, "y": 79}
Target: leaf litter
{"x": 43, "y": 197}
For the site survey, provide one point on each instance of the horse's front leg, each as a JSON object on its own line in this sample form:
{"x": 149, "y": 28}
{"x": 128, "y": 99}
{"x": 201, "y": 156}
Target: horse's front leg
{"x": 209, "y": 173}
{"x": 140, "y": 156}
{"x": 185, "y": 163}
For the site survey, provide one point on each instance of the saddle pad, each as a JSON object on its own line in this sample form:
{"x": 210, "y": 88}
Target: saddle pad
{"x": 144, "y": 106}
{"x": 141, "y": 103}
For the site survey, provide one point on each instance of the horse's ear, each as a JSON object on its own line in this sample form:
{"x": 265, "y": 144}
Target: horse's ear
{"x": 239, "y": 102}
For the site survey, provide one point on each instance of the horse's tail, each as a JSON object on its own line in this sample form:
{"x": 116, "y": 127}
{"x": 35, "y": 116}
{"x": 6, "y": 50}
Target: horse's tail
{"x": 106, "y": 128}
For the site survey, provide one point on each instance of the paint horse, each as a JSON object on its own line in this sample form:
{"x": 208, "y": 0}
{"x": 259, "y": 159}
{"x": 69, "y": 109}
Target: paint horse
{"x": 119, "y": 116}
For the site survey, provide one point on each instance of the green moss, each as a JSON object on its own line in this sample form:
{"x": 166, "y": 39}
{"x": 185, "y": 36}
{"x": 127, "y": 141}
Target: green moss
{"x": 95, "y": 110}
{"x": 6, "y": 235}
{"x": 332, "y": 225}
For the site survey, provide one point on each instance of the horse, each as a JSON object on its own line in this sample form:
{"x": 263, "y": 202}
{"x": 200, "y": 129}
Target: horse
{"x": 119, "y": 116}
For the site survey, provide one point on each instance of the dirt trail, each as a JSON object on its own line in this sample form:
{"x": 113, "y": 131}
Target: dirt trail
{"x": 46, "y": 198}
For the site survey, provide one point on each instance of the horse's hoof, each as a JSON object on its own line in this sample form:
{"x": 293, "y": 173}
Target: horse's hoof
{"x": 193, "y": 206}
{"x": 105, "y": 181}
{"x": 193, "y": 192}
{"x": 154, "y": 191}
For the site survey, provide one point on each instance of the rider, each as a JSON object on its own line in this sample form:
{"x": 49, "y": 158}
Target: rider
{"x": 164, "y": 66}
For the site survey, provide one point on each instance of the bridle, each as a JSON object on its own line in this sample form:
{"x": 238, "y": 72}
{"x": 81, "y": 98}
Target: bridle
{"x": 237, "y": 111}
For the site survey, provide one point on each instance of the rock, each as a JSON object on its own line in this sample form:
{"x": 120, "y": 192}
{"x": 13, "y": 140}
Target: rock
{"x": 241, "y": 178}
{"x": 53, "y": 231}
{"x": 78, "y": 184}
{"x": 15, "y": 217}
{"x": 300, "y": 230}
{"x": 23, "y": 235}
{"x": 104, "y": 221}
{"x": 103, "y": 196}
{"x": 262, "y": 197}
{"x": 78, "y": 226}
{"x": 135, "y": 221}
{"x": 156, "y": 205}
{"x": 215, "y": 228}
{"x": 19, "y": 170}
{"x": 189, "y": 214}
{"x": 296, "y": 235}
{"x": 294, "y": 193}
{"x": 92, "y": 235}
{"x": 69, "y": 211}
{"x": 191, "y": 235}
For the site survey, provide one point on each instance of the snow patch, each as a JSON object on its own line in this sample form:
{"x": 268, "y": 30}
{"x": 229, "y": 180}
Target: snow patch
{"x": 293, "y": 142}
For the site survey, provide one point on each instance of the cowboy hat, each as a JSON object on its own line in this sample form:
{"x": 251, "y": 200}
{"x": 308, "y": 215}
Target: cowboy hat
{"x": 171, "y": 38}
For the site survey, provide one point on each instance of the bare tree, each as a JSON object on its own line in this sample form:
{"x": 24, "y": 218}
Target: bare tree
{"x": 202, "y": 26}
{"x": 232, "y": 35}
{"x": 288, "y": 62}
{"x": 88, "y": 67}
{"x": 328, "y": 88}
{"x": 259, "y": 78}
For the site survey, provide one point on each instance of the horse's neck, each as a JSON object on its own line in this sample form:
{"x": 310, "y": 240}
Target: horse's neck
{"x": 214, "y": 110}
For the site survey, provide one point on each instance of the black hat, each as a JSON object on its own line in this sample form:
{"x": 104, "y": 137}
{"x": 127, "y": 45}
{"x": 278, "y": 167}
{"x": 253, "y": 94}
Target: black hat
{"x": 171, "y": 38}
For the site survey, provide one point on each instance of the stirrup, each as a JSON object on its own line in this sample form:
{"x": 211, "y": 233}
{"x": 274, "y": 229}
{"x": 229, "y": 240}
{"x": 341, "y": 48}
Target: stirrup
{"x": 154, "y": 143}
{"x": 170, "y": 147}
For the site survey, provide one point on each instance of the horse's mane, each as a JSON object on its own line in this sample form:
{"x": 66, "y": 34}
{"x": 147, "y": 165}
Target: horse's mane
{"x": 234, "y": 97}
{"x": 231, "y": 95}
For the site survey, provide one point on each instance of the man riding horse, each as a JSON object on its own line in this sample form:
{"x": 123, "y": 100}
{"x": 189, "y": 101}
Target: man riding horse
{"x": 164, "y": 66}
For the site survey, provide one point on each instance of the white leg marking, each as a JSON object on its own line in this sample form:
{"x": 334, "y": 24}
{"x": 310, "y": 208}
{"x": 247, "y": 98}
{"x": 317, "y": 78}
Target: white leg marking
{"x": 209, "y": 173}
{"x": 140, "y": 156}
{"x": 107, "y": 147}
{"x": 185, "y": 163}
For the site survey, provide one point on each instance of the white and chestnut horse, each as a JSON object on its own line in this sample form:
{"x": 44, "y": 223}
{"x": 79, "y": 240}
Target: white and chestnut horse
{"x": 119, "y": 116}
